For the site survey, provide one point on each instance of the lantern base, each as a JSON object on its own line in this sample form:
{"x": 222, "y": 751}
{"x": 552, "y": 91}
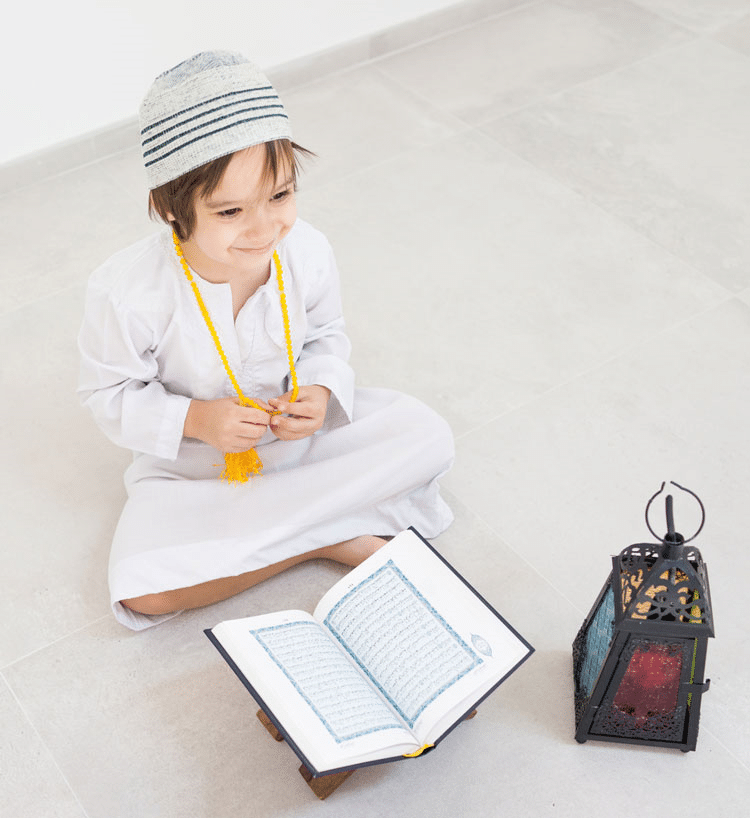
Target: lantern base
{"x": 670, "y": 745}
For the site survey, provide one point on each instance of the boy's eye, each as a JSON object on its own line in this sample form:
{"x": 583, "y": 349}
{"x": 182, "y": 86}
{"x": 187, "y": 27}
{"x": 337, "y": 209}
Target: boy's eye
{"x": 282, "y": 194}
{"x": 233, "y": 211}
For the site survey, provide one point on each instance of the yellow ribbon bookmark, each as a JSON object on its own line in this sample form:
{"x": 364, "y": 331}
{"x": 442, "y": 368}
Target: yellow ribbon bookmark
{"x": 419, "y": 751}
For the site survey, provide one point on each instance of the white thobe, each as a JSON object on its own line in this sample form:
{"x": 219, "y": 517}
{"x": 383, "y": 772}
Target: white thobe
{"x": 146, "y": 352}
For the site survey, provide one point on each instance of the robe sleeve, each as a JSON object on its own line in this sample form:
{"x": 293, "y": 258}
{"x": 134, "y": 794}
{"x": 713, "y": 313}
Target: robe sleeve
{"x": 324, "y": 359}
{"x": 119, "y": 380}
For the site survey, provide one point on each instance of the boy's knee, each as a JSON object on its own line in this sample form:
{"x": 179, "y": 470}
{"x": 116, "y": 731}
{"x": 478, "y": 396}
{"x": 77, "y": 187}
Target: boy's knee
{"x": 432, "y": 428}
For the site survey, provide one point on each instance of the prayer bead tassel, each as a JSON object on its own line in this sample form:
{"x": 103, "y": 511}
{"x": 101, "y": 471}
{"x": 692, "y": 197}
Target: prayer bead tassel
{"x": 239, "y": 466}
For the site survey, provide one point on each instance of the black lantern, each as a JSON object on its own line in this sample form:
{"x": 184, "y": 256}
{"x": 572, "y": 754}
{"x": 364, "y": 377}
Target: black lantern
{"x": 639, "y": 657}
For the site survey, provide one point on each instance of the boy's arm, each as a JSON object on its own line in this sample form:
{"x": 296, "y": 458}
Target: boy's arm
{"x": 119, "y": 381}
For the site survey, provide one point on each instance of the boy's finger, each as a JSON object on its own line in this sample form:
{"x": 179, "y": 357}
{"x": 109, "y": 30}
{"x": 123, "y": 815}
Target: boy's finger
{"x": 297, "y": 409}
{"x": 290, "y": 424}
{"x": 263, "y": 405}
{"x": 256, "y": 417}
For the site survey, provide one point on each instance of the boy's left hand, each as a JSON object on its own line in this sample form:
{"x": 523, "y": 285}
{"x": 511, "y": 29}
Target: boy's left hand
{"x": 303, "y": 417}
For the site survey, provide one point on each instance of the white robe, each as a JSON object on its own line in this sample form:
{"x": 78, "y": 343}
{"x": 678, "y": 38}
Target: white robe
{"x": 146, "y": 352}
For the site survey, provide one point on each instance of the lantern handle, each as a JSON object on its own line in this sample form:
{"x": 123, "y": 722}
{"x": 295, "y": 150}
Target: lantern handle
{"x": 703, "y": 511}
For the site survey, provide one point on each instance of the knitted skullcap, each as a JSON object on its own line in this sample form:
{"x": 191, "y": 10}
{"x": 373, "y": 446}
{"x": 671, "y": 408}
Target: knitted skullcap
{"x": 208, "y": 106}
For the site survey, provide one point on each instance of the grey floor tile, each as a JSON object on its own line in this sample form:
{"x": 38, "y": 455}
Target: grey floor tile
{"x": 583, "y": 459}
{"x": 660, "y": 145}
{"x": 54, "y": 233}
{"x": 737, "y": 35}
{"x": 439, "y": 23}
{"x": 515, "y": 59}
{"x": 32, "y": 783}
{"x": 698, "y": 15}
{"x": 492, "y": 272}
{"x": 61, "y": 491}
{"x": 377, "y": 120}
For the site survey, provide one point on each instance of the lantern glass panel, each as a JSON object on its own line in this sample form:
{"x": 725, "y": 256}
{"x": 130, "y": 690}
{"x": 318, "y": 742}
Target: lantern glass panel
{"x": 596, "y": 645}
{"x": 649, "y": 687}
{"x": 644, "y": 701}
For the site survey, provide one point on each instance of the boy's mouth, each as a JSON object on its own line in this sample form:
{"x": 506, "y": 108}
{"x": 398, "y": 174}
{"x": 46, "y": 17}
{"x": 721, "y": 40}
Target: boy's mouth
{"x": 262, "y": 249}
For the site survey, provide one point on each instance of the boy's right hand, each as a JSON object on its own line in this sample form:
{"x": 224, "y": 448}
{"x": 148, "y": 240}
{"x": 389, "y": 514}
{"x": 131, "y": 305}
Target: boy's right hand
{"x": 225, "y": 424}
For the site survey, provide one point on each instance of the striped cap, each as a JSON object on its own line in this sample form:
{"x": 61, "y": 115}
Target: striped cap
{"x": 213, "y": 104}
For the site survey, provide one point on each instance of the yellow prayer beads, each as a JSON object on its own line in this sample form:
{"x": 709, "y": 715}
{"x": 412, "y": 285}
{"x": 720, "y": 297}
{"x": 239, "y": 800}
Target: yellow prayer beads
{"x": 241, "y": 465}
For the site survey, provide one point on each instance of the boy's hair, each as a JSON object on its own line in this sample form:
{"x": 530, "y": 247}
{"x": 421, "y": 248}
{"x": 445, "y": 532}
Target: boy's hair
{"x": 178, "y": 196}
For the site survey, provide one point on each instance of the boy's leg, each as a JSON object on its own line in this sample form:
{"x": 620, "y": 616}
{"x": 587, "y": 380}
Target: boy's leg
{"x": 351, "y": 552}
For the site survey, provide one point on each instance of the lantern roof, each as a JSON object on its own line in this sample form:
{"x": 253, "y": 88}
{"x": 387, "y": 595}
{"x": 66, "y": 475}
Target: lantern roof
{"x": 662, "y": 588}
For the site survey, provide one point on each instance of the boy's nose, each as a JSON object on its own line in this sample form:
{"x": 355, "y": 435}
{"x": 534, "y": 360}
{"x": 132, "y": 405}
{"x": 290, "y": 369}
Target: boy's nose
{"x": 260, "y": 224}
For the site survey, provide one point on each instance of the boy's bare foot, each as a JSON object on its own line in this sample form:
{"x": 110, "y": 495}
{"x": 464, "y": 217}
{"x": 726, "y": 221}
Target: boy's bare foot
{"x": 352, "y": 552}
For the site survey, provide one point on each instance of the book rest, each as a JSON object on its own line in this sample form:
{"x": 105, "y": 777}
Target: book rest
{"x": 322, "y": 785}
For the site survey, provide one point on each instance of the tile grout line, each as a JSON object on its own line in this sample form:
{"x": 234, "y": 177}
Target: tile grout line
{"x": 618, "y": 219}
{"x": 374, "y": 59}
{"x": 480, "y": 19}
{"x": 731, "y": 753}
{"x": 54, "y": 642}
{"x": 43, "y": 743}
{"x": 664, "y": 15}
{"x": 516, "y": 552}
{"x": 651, "y": 340}
{"x": 693, "y": 37}
{"x": 663, "y": 50}
{"x": 40, "y": 300}
{"x": 478, "y": 129}
{"x": 557, "y": 179}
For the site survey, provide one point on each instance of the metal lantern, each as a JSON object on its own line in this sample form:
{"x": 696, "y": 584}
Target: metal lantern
{"x": 639, "y": 657}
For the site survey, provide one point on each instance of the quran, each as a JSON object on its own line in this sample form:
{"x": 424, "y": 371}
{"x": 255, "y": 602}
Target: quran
{"x": 395, "y": 655}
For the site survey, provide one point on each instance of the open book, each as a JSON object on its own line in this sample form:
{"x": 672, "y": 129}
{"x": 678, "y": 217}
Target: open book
{"x": 395, "y": 655}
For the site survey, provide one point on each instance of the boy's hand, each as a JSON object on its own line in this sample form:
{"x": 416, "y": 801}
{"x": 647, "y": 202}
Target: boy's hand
{"x": 303, "y": 417}
{"x": 225, "y": 424}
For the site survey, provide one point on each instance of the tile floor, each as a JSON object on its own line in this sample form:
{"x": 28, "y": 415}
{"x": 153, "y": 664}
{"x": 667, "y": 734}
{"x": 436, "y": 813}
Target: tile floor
{"x": 542, "y": 223}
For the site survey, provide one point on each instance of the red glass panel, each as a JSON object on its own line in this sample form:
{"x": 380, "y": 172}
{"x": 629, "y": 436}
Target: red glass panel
{"x": 650, "y": 684}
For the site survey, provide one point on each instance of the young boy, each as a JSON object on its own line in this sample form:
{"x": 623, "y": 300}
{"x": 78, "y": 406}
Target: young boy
{"x": 224, "y": 337}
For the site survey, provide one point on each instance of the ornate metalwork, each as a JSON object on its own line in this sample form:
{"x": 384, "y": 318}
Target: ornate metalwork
{"x": 656, "y": 588}
{"x": 610, "y": 721}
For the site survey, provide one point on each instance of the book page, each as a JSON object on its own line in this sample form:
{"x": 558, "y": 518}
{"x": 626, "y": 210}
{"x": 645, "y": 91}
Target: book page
{"x": 331, "y": 686}
{"x": 400, "y": 641}
{"x": 322, "y": 700}
{"x": 428, "y": 643}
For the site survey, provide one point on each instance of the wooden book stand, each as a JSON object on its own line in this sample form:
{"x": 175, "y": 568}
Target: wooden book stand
{"x": 322, "y": 785}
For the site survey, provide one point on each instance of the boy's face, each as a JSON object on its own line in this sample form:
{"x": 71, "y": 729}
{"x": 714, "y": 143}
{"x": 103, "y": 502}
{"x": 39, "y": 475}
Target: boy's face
{"x": 239, "y": 225}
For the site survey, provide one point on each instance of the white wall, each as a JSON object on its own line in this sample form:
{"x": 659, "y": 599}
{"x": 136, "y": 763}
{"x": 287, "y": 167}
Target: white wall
{"x": 70, "y": 67}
